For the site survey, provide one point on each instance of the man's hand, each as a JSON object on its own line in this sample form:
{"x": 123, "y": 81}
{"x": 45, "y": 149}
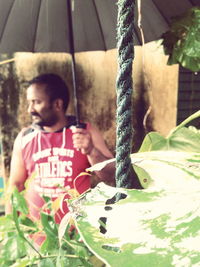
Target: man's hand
{"x": 91, "y": 143}
{"x": 82, "y": 140}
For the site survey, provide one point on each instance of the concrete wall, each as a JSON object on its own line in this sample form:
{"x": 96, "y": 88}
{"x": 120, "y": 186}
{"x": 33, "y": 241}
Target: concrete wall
{"x": 161, "y": 87}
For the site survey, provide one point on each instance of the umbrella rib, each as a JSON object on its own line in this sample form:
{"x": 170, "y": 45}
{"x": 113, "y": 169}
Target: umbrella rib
{"x": 101, "y": 30}
{"x": 35, "y": 33}
{"x": 192, "y": 2}
{"x": 163, "y": 15}
{"x": 7, "y": 19}
{"x": 137, "y": 34}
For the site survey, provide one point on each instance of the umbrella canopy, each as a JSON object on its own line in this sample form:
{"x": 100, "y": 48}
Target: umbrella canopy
{"x": 42, "y": 25}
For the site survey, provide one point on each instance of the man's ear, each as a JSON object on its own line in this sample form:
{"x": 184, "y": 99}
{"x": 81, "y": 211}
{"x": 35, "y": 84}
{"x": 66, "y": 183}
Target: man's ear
{"x": 58, "y": 104}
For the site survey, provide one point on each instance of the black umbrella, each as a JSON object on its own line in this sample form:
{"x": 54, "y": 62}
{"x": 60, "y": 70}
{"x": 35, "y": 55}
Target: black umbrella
{"x": 58, "y": 26}
{"x": 42, "y": 25}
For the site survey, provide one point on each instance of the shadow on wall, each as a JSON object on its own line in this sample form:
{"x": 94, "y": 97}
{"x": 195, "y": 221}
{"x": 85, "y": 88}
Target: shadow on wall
{"x": 9, "y": 102}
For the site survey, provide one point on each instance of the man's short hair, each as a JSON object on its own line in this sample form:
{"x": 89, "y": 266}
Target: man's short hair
{"x": 55, "y": 88}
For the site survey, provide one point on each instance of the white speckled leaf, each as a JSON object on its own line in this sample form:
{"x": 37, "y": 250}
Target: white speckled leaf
{"x": 145, "y": 229}
{"x": 157, "y": 226}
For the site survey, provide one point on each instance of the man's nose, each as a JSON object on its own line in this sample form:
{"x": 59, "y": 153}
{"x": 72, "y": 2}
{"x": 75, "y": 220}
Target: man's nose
{"x": 30, "y": 108}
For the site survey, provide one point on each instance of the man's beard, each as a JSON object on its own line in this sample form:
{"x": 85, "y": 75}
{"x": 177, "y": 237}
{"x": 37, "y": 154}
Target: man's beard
{"x": 50, "y": 121}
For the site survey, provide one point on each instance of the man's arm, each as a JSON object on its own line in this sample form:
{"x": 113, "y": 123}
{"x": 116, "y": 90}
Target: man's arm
{"x": 18, "y": 172}
{"x": 92, "y": 144}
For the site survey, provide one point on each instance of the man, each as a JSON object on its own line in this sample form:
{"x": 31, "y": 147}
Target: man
{"x": 53, "y": 151}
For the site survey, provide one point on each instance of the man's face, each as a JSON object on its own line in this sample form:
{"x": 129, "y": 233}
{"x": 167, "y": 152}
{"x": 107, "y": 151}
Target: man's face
{"x": 39, "y": 107}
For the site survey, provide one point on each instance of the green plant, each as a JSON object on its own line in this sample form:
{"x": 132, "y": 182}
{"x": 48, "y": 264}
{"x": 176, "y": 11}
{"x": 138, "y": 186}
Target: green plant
{"x": 62, "y": 247}
{"x": 182, "y": 41}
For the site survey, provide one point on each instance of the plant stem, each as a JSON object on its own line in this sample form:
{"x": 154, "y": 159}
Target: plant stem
{"x": 29, "y": 243}
{"x": 65, "y": 256}
{"x": 185, "y": 122}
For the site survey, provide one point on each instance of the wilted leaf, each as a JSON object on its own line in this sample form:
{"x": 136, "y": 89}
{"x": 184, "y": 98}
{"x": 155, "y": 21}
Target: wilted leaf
{"x": 57, "y": 203}
{"x": 63, "y": 225}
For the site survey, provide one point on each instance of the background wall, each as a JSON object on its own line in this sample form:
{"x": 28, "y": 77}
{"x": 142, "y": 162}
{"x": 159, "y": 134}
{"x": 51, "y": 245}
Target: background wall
{"x": 161, "y": 88}
{"x": 155, "y": 91}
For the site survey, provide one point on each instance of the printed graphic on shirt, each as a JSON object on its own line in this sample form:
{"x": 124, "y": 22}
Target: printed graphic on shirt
{"x": 53, "y": 173}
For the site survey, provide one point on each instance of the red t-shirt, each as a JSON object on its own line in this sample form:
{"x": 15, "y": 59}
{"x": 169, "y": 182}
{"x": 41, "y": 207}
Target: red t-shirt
{"x": 53, "y": 165}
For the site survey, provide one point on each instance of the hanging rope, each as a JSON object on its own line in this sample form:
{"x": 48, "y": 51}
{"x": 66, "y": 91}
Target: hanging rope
{"x": 124, "y": 132}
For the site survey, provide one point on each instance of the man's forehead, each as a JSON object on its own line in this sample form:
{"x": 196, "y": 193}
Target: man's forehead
{"x": 37, "y": 89}
{"x": 39, "y": 86}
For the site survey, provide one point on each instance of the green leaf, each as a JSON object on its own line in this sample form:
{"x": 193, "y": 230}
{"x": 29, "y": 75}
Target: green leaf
{"x": 96, "y": 261}
{"x": 6, "y": 223}
{"x": 19, "y": 202}
{"x": 144, "y": 177}
{"x": 182, "y": 41}
{"x": 185, "y": 139}
{"x": 153, "y": 141}
{"x": 73, "y": 261}
{"x": 23, "y": 262}
{"x": 179, "y": 139}
{"x": 46, "y": 262}
{"x": 80, "y": 249}
{"x": 15, "y": 219}
{"x": 13, "y": 248}
{"x": 27, "y": 222}
{"x": 62, "y": 261}
{"x": 49, "y": 226}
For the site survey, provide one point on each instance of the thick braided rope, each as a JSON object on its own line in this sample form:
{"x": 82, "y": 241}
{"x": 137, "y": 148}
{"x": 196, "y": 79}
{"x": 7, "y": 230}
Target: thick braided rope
{"x": 124, "y": 132}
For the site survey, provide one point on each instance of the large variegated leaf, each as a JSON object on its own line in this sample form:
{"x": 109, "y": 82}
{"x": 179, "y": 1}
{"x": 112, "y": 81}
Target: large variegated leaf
{"x": 157, "y": 226}
{"x": 147, "y": 228}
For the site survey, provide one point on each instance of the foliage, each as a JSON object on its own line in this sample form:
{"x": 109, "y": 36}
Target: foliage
{"x": 182, "y": 41}
{"x": 156, "y": 226}
{"x": 18, "y": 248}
{"x": 181, "y": 138}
